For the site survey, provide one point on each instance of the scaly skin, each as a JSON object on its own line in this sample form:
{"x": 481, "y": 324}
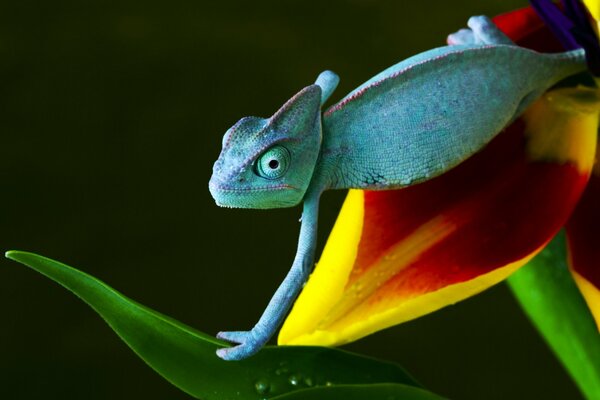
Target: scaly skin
{"x": 412, "y": 122}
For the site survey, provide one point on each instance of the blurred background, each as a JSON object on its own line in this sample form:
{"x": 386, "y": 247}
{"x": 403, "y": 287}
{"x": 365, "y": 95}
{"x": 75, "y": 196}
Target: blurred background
{"x": 111, "y": 115}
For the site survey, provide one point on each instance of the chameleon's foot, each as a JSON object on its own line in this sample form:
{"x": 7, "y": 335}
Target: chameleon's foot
{"x": 249, "y": 344}
{"x": 482, "y": 31}
{"x": 463, "y": 36}
{"x": 486, "y": 32}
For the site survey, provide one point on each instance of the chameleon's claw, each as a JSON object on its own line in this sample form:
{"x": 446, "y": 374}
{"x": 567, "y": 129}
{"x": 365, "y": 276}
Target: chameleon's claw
{"x": 248, "y": 345}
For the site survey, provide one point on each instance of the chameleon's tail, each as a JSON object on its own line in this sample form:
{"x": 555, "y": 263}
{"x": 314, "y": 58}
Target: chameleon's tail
{"x": 573, "y": 27}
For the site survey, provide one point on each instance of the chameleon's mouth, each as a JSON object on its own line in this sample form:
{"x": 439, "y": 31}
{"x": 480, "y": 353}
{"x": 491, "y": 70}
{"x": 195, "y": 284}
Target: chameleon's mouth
{"x": 263, "y": 197}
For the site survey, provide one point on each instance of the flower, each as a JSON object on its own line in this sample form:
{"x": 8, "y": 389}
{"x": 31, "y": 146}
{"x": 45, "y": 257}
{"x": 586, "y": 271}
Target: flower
{"x": 393, "y": 256}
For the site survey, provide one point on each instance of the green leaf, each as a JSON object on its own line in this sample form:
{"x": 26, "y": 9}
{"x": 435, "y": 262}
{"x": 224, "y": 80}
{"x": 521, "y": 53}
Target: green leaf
{"x": 187, "y": 359}
{"x": 383, "y": 391}
{"x": 551, "y": 299}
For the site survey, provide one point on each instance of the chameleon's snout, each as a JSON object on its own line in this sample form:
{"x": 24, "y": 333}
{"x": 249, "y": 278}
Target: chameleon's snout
{"x": 243, "y": 195}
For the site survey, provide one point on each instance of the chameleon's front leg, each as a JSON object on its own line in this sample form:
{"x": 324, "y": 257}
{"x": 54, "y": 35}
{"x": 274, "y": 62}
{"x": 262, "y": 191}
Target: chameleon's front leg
{"x": 252, "y": 341}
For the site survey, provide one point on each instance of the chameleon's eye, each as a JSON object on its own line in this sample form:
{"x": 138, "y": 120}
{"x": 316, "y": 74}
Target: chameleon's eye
{"x": 273, "y": 163}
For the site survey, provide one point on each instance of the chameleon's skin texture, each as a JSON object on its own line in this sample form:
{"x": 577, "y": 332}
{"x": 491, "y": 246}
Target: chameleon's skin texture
{"x": 410, "y": 123}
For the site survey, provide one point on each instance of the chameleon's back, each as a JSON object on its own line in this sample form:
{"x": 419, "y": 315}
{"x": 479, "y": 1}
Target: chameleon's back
{"x": 428, "y": 113}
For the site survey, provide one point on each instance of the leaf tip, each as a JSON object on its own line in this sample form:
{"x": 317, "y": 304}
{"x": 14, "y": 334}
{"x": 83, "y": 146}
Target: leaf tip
{"x": 13, "y": 254}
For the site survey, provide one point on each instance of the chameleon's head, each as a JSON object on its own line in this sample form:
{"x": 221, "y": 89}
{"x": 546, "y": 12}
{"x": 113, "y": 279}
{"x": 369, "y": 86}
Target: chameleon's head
{"x": 269, "y": 163}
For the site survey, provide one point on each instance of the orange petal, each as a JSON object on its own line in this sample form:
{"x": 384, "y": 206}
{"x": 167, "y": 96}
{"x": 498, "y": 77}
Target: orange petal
{"x": 396, "y": 255}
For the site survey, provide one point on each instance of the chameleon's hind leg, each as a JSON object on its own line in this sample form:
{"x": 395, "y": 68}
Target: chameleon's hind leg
{"x": 481, "y": 31}
{"x": 463, "y": 36}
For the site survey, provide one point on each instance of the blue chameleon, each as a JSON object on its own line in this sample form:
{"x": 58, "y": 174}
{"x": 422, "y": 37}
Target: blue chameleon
{"x": 409, "y": 123}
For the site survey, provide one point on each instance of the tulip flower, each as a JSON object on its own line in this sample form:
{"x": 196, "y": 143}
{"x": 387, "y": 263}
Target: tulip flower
{"x": 393, "y": 256}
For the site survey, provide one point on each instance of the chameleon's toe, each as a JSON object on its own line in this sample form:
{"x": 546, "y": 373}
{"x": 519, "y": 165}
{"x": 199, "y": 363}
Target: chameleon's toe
{"x": 248, "y": 345}
{"x": 481, "y": 31}
{"x": 486, "y": 32}
{"x": 233, "y": 337}
{"x": 463, "y": 36}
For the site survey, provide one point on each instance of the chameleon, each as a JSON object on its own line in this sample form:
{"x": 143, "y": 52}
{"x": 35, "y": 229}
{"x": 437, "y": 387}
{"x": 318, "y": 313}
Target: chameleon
{"x": 407, "y": 124}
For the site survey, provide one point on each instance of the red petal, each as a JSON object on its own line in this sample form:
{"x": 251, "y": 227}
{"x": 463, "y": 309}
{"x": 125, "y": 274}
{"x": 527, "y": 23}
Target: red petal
{"x": 583, "y": 232}
{"x": 524, "y": 27}
{"x": 502, "y": 207}
{"x": 396, "y": 255}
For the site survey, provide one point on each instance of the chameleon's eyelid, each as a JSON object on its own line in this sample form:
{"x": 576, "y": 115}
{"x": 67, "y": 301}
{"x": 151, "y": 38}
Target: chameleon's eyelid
{"x": 262, "y": 165}
{"x": 248, "y": 162}
{"x": 256, "y": 155}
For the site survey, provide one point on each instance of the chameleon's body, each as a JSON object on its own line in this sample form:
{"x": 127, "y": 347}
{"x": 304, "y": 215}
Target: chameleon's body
{"x": 407, "y": 124}
{"x": 426, "y": 114}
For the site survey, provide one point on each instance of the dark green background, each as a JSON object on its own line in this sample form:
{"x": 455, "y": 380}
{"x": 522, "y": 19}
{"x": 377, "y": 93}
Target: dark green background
{"x": 111, "y": 116}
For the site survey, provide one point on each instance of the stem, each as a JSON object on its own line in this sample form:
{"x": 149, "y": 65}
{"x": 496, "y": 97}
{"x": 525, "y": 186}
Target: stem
{"x": 550, "y": 298}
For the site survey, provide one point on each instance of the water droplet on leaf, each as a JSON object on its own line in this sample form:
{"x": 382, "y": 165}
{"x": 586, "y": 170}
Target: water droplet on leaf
{"x": 262, "y": 386}
{"x": 295, "y": 379}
